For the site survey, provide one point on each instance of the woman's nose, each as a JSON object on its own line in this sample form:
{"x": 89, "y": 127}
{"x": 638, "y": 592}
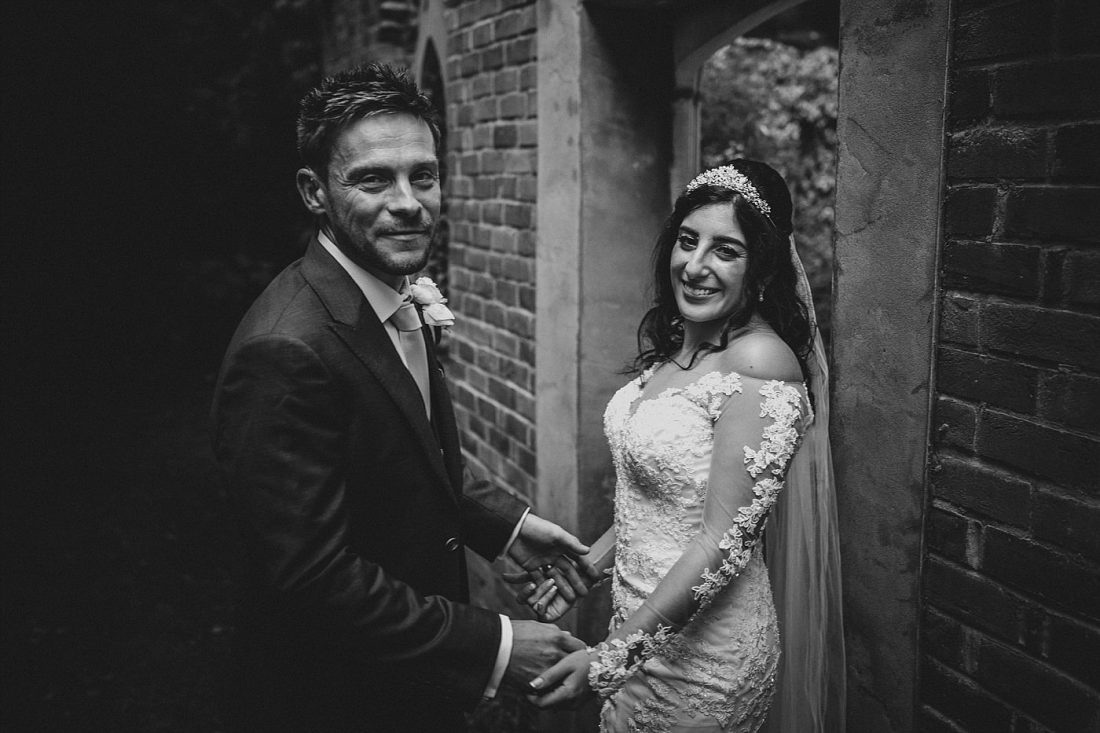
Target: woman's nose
{"x": 696, "y": 265}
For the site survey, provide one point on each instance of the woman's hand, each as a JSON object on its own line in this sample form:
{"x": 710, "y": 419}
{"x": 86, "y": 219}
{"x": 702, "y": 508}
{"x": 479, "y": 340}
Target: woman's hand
{"x": 543, "y": 597}
{"x": 565, "y": 684}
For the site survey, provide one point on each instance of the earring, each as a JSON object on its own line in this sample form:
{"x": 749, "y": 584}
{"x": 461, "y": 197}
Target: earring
{"x": 760, "y": 298}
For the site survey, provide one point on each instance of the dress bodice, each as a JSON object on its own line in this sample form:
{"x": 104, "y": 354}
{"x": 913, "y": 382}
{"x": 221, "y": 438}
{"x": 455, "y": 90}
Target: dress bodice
{"x": 663, "y": 448}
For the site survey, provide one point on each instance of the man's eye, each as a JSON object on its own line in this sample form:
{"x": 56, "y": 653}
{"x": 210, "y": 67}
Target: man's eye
{"x": 425, "y": 179}
{"x": 373, "y": 183}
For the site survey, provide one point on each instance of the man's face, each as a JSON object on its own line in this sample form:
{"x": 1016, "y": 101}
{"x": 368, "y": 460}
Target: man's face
{"x": 381, "y": 197}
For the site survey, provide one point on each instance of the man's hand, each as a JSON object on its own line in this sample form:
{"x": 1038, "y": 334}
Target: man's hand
{"x": 536, "y": 646}
{"x": 545, "y": 550}
{"x": 565, "y": 684}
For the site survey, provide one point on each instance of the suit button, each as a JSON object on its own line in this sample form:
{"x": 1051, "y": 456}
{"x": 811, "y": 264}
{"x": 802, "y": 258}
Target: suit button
{"x": 452, "y": 544}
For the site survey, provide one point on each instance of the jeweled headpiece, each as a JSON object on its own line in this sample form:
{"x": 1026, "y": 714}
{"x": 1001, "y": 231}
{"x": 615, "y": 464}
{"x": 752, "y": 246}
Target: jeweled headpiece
{"x": 727, "y": 176}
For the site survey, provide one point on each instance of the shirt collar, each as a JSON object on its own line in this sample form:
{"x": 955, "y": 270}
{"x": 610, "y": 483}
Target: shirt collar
{"x": 383, "y": 299}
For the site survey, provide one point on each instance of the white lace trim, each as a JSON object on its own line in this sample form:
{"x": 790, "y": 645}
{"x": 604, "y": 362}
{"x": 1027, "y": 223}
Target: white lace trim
{"x": 783, "y": 404}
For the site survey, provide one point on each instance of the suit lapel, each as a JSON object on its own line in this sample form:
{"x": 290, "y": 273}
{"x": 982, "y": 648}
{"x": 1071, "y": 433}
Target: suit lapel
{"x": 357, "y": 325}
{"x": 443, "y": 417}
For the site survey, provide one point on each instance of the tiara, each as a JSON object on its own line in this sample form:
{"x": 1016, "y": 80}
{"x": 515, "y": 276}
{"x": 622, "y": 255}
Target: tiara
{"x": 727, "y": 176}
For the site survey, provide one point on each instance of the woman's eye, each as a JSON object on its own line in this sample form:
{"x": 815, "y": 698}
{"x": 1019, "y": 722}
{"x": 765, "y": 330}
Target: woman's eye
{"x": 685, "y": 242}
{"x": 728, "y": 253}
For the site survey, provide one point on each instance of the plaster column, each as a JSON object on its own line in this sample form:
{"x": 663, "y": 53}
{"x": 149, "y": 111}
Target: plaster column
{"x": 603, "y": 139}
{"x": 890, "y": 127}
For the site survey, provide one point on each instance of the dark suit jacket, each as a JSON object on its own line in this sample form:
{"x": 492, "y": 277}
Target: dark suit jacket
{"x": 353, "y": 514}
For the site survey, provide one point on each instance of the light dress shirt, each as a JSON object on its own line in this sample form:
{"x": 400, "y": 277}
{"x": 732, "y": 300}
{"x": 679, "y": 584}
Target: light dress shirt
{"x": 385, "y": 301}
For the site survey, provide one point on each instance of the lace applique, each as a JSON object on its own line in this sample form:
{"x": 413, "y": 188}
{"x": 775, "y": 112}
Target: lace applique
{"x": 618, "y": 658}
{"x": 712, "y": 390}
{"x": 783, "y": 404}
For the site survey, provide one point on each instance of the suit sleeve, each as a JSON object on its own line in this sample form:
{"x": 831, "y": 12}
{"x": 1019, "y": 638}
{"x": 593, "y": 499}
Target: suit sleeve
{"x": 489, "y": 515}
{"x": 281, "y": 437}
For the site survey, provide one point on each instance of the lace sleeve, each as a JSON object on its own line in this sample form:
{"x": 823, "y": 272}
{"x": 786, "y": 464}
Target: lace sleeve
{"x": 743, "y": 486}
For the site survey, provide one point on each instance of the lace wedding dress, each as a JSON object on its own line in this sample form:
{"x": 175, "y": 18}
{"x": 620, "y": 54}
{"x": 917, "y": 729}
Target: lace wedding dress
{"x": 698, "y": 470}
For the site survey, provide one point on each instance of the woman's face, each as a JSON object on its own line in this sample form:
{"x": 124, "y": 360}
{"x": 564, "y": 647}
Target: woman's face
{"x": 708, "y": 265}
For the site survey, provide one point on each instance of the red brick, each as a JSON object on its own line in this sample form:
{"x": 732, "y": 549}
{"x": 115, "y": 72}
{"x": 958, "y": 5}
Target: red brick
{"x": 968, "y": 484}
{"x": 1077, "y": 26}
{"x": 973, "y": 598}
{"x": 955, "y": 423}
{"x": 492, "y": 58}
{"x": 1070, "y": 460}
{"x": 1066, "y": 88}
{"x": 969, "y": 98}
{"x": 1081, "y": 278}
{"x": 1036, "y": 690}
{"x": 1053, "y": 213}
{"x": 521, "y": 50}
{"x": 979, "y": 378}
{"x": 1072, "y": 400}
{"x": 1050, "y": 335}
{"x": 997, "y": 153}
{"x": 945, "y": 534}
{"x": 505, "y": 136}
{"x": 961, "y": 701}
{"x": 968, "y": 212}
{"x": 959, "y": 319}
{"x": 521, "y": 324}
{"x": 930, "y": 721}
{"x": 1004, "y": 269}
{"x": 944, "y": 639}
{"x": 1018, "y": 29}
{"x": 1074, "y": 648}
{"x": 1041, "y": 572}
{"x": 1068, "y": 522}
{"x": 1077, "y": 151}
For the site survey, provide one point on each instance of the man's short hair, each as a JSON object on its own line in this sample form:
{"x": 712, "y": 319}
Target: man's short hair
{"x": 349, "y": 96}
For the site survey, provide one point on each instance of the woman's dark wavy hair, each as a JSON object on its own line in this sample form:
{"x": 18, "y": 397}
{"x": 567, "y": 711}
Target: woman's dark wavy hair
{"x": 770, "y": 271}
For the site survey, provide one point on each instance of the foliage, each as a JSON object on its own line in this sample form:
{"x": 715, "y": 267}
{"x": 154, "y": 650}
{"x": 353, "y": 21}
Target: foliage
{"x": 772, "y": 102}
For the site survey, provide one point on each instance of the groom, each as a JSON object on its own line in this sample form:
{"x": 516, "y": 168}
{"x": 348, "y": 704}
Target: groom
{"x": 333, "y": 424}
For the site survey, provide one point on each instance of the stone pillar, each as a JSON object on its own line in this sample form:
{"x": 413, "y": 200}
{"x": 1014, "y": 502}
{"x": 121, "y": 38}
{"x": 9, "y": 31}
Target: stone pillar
{"x": 603, "y": 141}
{"x": 892, "y": 83}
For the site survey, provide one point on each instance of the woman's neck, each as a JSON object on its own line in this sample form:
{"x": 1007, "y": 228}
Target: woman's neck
{"x": 697, "y": 334}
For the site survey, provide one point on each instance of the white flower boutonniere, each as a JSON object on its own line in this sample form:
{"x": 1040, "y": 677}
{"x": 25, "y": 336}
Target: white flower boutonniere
{"x": 426, "y": 294}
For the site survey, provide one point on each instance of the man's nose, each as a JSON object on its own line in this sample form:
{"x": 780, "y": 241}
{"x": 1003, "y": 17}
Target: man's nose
{"x": 403, "y": 201}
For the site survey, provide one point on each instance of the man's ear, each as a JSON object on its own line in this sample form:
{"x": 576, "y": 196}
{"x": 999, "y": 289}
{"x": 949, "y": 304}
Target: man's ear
{"x": 312, "y": 191}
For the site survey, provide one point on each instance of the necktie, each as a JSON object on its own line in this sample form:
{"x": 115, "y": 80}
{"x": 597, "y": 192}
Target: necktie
{"x": 408, "y": 325}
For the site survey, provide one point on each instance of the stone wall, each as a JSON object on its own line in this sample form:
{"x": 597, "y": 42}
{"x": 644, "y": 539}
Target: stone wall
{"x": 1011, "y": 579}
{"x": 492, "y": 130}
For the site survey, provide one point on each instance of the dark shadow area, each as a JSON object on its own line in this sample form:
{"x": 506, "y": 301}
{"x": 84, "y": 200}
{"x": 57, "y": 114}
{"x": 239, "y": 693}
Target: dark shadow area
{"x": 148, "y": 151}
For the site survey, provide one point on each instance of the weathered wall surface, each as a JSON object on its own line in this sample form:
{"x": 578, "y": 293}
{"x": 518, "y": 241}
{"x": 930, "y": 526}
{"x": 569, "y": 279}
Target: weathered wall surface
{"x": 893, "y": 74}
{"x": 1011, "y": 622}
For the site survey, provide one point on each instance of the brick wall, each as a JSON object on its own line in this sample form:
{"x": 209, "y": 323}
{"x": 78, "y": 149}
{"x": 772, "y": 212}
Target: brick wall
{"x": 491, "y": 109}
{"x": 1010, "y": 631}
{"x": 361, "y": 31}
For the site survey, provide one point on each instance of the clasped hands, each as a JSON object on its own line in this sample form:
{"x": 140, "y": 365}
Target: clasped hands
{"x": 555, "y": 575}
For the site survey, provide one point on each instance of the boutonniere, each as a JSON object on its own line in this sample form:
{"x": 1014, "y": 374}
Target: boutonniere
{"x": 426, "y": 294}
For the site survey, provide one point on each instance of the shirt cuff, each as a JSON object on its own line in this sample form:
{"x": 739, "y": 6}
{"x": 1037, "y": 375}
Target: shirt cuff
{"x": 504, "y": 653}
{"x": 515, "y": 532}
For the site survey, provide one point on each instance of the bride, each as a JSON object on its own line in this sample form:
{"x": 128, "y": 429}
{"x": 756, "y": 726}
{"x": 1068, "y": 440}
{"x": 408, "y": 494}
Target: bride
{"x": 722, "y": 433}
